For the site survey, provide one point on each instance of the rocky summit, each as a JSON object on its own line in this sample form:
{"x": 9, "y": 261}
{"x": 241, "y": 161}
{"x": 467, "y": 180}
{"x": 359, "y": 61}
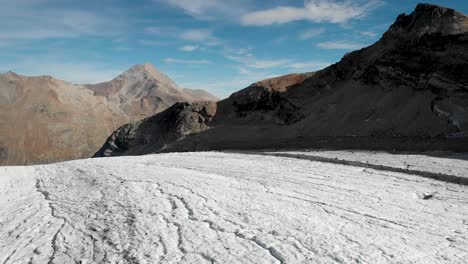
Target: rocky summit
{"x": 408, "y": 91}
{"x": 45, "y": 120}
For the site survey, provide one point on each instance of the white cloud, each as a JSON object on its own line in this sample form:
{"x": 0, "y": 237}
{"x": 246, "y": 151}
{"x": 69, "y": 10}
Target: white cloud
{"x": 210, "y": 9}
{"x": 244, "y": 71}
{"x": 197, "y": 35}
{"x": 189, "y": 48}
{"x": 266, "y": 64}
{"x": 203, "y": 36}
{"x": 246, "y": 52}
{"x": 148, "y": 42}
{"x": 153, "y": 30}
{"x": 341, "y": 45}
{"x": 311, "y": 33}
{"x": 196, "y": 7}
{"x": 332, "y": 11}
{"x": 27, "y": 23}
{"x": 189, "y": 62}
{"x": 308, "y": 66}
{"x": 368, "y": 33}
{"x": 223, "y": 87}
{"x": 249, "y": 68}
{"x": 252, "y": 62}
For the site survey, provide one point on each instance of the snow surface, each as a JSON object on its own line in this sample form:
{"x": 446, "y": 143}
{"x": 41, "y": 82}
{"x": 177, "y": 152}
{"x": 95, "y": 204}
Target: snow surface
{"x": 455, "y": 164}
{"x": 227, "y": 208}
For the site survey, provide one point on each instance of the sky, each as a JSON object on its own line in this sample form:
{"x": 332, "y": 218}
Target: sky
{"x": 216, "y": 45}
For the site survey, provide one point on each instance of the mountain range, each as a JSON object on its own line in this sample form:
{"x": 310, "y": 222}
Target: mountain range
{"x": 408, "y": 91}
{"x": 45, "y": 120}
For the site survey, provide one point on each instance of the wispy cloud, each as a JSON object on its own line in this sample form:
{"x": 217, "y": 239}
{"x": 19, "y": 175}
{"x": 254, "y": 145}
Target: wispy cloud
{"x": 210, "y": 9}
{"x": 311, "y": 33}
{"x": 197, "y": 34}
{"x": 201, "y": 36}
{"x": 368, "y": 33}
{"x": 153, "y": 30}
{"x": 197, "y": 7}
{"x": 340, "y": 45}
{"x": 239, "y": 51}
{"x": 331, "y": 11}
{"x": 188, "y": 62}
{"x": 62, "y": 24}
{"x": 246, "y": 76}
{"x": 266, "y": 64}
{"x": 189, "y": 48}
{"x": 204, "y": 36}
{"x": 37, "y": 20}
{"x": 148, "y": 42}
{"x": 308, "y": 66}
{"x": 252, "y": 62}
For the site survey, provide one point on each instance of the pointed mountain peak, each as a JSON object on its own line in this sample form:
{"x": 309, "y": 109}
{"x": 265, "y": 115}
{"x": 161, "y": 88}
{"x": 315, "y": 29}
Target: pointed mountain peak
{"x": 143, "y": 68}
{"x": 149, "y": 67}
{"x": 147, "y": 71}
{"x": 430, "y": 19}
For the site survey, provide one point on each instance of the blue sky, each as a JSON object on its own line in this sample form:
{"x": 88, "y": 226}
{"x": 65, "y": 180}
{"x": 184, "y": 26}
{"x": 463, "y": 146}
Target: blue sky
{"x": 217, "y": 45}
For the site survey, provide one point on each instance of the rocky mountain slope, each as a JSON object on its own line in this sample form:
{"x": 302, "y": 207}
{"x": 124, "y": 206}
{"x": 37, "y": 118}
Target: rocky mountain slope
{"x": 43, "y": 119}
{"x": 143, "y": 90}
{"x": 199, "y": 95}
{"x": 158, "y": 131}
{"x": 408, "y": 91}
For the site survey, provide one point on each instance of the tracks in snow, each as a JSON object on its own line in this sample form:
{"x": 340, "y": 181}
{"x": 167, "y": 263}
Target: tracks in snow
{"x": 232, "y": 208}
{"x": 426, "y": 174}
{"x": 40, "y": 188}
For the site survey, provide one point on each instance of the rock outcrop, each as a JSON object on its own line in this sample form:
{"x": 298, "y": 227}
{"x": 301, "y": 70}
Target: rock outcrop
{"x": 408, "y": 91}
{"x": 44, "y": 120}
{"x": 264, "y": 100}
{"x": 157, "y": 132}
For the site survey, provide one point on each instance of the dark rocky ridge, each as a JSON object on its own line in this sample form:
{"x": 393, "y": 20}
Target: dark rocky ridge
{"x": 180, "y": 120}
{"x": 429, "y": 19}
{"x": 408, "y": 91}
